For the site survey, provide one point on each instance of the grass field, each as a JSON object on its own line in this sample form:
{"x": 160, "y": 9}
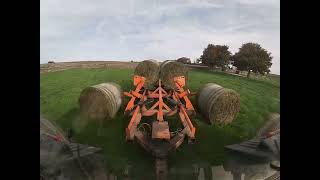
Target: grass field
{"x": 59, "y": 92}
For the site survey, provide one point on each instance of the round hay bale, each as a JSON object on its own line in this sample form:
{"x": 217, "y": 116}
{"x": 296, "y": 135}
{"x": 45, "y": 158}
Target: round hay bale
{"x": 169, "y": 70}
{"x": 150, "y": 70}
{"x": 100, "y": 101}
{"x": 219, "y": 106}
{"x": 164, "y": 63}
{"x": 153, "y": 60}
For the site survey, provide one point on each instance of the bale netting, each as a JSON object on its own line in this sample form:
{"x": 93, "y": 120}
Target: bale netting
{"x": 171, "y": 69}
{"x": 150, "y": 70}
{"x": 219, "y": 106}
{"x": 100, "y": 101}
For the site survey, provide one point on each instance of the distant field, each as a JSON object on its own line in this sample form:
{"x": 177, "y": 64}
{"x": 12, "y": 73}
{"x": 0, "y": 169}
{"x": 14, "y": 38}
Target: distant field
{"x": 59, "y": 66}
{"x": 59, "y": 92}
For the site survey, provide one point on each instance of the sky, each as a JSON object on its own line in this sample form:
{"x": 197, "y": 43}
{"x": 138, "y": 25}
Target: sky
{"x": 76, "y": 30}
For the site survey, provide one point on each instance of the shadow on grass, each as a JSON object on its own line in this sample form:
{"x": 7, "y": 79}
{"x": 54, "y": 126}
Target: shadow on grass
{"x": 117, "y": 152}
{"x": 65, "y": 121}
{"x": 84, "y": 126}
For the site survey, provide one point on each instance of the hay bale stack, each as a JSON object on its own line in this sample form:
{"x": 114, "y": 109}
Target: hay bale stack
{"x": 220, "y": 106}
{"x": 169, "y": 70}
{"x": 101, "y": 101}
{"x": 150, "y": 70}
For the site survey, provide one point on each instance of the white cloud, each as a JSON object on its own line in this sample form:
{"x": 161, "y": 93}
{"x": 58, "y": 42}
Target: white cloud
{"x": 134, "y": 29}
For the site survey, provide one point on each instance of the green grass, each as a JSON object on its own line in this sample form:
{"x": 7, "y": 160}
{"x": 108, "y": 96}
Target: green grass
{"x": 59, "y": 93}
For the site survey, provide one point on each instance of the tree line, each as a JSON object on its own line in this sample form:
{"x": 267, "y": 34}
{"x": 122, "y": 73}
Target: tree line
{"x": 251, "y": 57}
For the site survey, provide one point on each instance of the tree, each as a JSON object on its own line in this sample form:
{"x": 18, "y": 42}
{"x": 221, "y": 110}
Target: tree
{"x": 252, "y": 57}
{"x": 216, "y": 55}
{"x": 184, "y": 60}
{"x": 198, "y": 61}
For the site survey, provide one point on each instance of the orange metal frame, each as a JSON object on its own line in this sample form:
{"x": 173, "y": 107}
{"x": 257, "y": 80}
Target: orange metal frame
{"x": 139, "y": 109}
